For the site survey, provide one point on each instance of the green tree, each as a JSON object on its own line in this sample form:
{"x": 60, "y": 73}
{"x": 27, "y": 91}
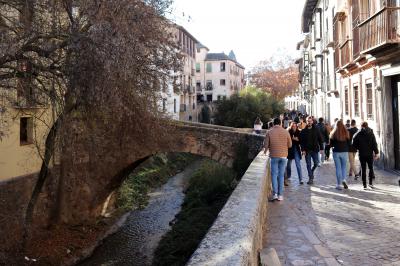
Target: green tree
{"x": 242, "y": 109}
{"x": 205, "y": 114}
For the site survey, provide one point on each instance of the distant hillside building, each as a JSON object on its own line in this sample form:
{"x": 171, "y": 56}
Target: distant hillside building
{"x": 218, "y": 75}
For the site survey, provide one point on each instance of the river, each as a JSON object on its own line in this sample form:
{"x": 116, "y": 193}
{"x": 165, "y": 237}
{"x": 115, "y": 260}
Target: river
{"x": 136, "y": 241}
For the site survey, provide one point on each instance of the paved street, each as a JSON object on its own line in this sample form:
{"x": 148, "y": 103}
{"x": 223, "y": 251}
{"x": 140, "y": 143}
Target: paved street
{"x": 320, "y": 225}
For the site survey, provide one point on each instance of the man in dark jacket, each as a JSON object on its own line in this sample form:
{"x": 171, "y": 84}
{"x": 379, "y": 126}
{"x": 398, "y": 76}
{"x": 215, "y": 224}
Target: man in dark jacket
{"x": 311, "y": 143}
{"x": 364, "y": 141}
{"x": 325, "y": 137}
{"x": 352, "y": 151}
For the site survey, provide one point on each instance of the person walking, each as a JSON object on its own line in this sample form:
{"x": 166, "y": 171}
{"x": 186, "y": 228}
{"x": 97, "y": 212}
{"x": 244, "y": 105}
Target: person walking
{"x": 347, "y": 123}
{"x": 352, "y": 151}
{"x": 328, "y": 129}
{"x": 340, "y": 143}
{"x": 294, "y": 153}
{"x": 301, "y": 125}
{"x": 365, "y": 142}
{"x": 325, "y": 137}
{"x": 277, "y": 141}
{"x": 258, "y": 125}
{"x": 311, "y": 143}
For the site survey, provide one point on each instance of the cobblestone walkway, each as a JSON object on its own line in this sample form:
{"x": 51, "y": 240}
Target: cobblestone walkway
{"x": 320, "y": 225}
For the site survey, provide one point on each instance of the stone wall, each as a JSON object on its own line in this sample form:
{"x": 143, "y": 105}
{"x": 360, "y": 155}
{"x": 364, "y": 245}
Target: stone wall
{"x": 236, "y": 236}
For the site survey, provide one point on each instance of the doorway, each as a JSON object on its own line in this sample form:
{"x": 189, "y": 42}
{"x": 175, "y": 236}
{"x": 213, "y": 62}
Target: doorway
{"x": 396, "y": 119}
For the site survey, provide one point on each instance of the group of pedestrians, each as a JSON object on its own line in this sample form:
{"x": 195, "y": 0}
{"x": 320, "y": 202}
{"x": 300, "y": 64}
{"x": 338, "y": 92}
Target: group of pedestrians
{"x": 313, "y": 140}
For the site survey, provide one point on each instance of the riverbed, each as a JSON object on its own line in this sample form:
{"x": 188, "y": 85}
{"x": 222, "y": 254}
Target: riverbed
{"x": 136, "y": 241}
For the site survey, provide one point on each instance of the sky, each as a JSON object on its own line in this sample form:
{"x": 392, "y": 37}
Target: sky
{"x": 254, "y": 29}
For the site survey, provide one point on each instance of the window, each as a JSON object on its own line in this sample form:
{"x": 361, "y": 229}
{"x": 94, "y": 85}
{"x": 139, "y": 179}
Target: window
{"x": 356, "y": 101}
{"x": 198, "y": 50}
{"x": 26, "y": 130}
{"x": 164, "y": 105}
{"x": 209, "y": 68}
{"x": 198, "y": 85}
{"x": 346, "y": 100}
{"x": 218, "y": 97}
{"x": 222, "y": 66}
{"x": 209, "y": 98}
{"x": 197, "y": 67}
{"x": 222, "y": 82}
{"x": 174, "y": 105}
{"x": 370, "y": 114}
{"x": 209, "y": 85}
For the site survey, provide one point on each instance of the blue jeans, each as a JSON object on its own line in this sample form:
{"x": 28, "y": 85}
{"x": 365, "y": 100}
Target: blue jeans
{"x": 278, "y": 166}
{"x": 315, "y": 157}
{"x": 322, "y": 156}
{"x": 340, "y": 159}
{"x": 297, "y": 158}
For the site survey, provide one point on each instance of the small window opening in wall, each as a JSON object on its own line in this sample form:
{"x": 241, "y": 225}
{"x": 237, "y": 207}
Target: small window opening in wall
{"x": 222, "y": 82}
{"x": 222, "y": 66}
{"x": 174, "y": 105}
{"x": 26, "y": 130}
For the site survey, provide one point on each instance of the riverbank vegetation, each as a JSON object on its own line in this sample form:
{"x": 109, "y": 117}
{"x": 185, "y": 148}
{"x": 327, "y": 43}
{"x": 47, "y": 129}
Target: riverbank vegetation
{"x": 153, "y": 173}
{"x": 208, "y": 190}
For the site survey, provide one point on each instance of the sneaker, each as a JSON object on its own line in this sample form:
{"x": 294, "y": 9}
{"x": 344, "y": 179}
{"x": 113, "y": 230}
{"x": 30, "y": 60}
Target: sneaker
{"x": 371, "y": 186}
{"x": 356, "y": 177}
{"x": 339, "y": 187}
{"x": 345, "y": 185}
{"x": 286, "y": 183}
{"x": 280, "y": 197}
{"x": 310, "y": 182}
{"x": 365, "y": 188}
{"x": 301, "y": 182}
{"x": 274, "y": 197}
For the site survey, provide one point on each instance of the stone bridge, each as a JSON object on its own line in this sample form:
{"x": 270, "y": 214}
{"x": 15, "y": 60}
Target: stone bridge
{"x": 79, "y": 196}
{"x": 91, "y": 181}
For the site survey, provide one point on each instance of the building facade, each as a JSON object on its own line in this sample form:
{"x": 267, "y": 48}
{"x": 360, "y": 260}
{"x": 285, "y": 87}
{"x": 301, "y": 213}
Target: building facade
{"x": 350, "y": 66}
{"x": 179, "y": 95}
{"x": 218, "y": 76}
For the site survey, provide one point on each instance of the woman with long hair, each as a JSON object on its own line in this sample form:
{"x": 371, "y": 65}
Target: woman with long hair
{"x": 340, "y": 142}
{"x": 294, "y": 152}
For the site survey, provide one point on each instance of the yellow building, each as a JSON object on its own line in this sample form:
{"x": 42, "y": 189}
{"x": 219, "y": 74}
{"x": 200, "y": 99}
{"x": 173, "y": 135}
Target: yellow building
{"x": 24, "y": 126}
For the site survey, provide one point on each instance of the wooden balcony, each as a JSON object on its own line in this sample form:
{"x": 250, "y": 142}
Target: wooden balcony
{"x": 379, "y": 30}
{"x": 345, "y": 53}
{"x": 337, "y": 58}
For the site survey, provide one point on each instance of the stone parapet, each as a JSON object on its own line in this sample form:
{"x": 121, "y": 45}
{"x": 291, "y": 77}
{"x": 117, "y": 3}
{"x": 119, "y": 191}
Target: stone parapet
{"x": 236, "y": 236}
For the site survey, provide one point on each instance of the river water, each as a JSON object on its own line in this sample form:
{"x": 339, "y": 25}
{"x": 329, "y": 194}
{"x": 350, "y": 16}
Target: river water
{"x": 136, "y": 241}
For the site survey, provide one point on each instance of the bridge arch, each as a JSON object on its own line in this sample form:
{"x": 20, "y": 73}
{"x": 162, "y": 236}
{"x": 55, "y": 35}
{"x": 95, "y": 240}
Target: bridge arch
{"x": 90, "y": 182}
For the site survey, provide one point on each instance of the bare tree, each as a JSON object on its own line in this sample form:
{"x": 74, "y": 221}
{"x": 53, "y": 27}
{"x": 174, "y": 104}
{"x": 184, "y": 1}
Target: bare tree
{"x": 96, "y": 61}
{"x": 277, "y": 75}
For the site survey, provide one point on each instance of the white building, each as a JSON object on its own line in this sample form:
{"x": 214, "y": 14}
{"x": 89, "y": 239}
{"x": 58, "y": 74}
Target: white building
{"x": 179, "y": 96}
{"x": 218, "y": 75}
{"x": 350, "y": 66}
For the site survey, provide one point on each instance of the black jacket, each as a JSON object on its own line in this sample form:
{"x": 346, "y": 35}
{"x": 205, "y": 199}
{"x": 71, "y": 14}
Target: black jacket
{"x": 295, "y": 143}
{"x": 364, "y": 141}
{"x": 340, "y": 146}
{"x": 311, "y": 139}
{"x": 324, "y": 133}
{"x": 352, "y": 131}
